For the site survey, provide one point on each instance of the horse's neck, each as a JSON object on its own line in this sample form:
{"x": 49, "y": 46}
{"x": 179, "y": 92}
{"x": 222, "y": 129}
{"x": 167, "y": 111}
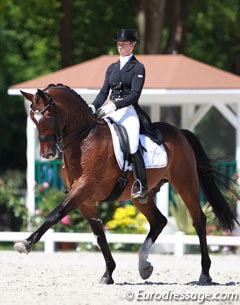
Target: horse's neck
{"x": 79, "y": 156}
{"x": 77, "y": 113}
{"x": 71, "y": 166}
{"x": 74, "y": 107}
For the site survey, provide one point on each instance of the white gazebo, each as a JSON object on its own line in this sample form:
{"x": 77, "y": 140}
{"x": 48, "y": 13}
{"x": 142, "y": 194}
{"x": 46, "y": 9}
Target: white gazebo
{"x": 171, "y": 80}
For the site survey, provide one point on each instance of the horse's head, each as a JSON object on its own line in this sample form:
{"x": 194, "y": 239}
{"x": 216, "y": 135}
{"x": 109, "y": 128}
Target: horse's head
{"x": 49, "y": 121}
{"x": 60, "y": 115}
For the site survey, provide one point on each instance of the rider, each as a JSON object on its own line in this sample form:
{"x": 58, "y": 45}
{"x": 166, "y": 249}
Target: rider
{"x": 125, "y": 78}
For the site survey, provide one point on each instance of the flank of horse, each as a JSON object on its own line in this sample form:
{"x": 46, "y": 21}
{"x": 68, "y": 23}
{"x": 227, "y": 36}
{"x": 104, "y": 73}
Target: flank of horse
{"x": 64, "y": 121}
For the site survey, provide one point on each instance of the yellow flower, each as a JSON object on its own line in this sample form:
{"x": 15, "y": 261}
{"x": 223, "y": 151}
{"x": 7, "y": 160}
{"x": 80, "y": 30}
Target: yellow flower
{"x": 128, "y": 220}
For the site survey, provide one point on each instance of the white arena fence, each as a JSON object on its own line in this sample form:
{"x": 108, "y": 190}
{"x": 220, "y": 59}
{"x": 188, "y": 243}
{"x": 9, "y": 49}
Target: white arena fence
{"x": 179, "y": 239}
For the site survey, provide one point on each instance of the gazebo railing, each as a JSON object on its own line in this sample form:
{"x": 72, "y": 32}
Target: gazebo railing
{"x": 50, "y": 172}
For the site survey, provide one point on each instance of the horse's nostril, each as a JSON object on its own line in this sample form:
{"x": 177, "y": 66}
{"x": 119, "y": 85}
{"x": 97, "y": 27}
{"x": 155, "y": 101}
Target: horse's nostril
{"x": 49, "y": 153}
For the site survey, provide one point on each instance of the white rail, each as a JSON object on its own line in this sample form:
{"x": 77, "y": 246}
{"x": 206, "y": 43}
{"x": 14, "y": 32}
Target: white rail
{"x": 179, "y": 239}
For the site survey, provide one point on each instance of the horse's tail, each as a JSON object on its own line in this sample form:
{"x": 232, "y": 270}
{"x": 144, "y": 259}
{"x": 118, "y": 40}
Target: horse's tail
{"x": 210, "y": 180}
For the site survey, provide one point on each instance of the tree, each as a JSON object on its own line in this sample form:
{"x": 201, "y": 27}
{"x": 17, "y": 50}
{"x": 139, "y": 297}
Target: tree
{"x": 177, "y": 21}
{"x": 95, "y": 23}
{"x": 163, "y": 25}
{"x": 65, "y": 33}
{"x": 150, "y": 19}
{"x": 214, "y": 35}
{"x": 28, "y": 48}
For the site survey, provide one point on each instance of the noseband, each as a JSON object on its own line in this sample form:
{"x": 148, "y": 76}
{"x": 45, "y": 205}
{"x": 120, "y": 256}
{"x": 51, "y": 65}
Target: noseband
{"x": 58, "y": 137}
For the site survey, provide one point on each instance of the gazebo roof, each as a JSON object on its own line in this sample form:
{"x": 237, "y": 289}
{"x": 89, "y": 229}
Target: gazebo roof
{"x": 162, "y": 72}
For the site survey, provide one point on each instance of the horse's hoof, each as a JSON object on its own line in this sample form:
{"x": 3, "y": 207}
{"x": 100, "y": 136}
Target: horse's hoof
{"x": 23, "y": 247}
{"x": 146, "y": 271}
{"x": 106, "y": 280}
{"x": 204, "y": 279}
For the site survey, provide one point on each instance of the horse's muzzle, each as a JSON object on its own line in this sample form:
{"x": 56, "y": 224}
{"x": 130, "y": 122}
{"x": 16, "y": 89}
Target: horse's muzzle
{"x": 50, "y": 154}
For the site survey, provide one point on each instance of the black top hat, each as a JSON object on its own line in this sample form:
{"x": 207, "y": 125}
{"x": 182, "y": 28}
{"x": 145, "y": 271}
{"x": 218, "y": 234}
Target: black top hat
{"x": 126, "y": 35}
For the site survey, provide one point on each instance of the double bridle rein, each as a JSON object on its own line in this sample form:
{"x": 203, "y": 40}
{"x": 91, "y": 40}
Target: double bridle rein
{"x": 58, "y": 137}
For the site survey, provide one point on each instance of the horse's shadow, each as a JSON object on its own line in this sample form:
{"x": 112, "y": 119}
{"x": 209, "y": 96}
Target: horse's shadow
{"x": 192, "y": 283}
{"x": 146, "y": 283}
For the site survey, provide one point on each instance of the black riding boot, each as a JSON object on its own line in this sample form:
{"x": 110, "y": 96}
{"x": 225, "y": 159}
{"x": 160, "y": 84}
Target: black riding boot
{"x": 139, "y": 188}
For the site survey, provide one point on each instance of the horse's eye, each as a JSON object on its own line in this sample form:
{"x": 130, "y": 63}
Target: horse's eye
{"x": 48, "y": 116}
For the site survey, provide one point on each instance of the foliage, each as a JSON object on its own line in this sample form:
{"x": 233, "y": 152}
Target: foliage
{"x": 28, "y": 48}
{"x": 118, "y": 217}
{"x": 95, "y": 23}
{"x": 48, "y": 199}
{"x": 214, "y": 36}
{"x": 28, "y": 34}
{"x": 107, "y": 210}
{"x": 184, "y": 221}
{"x": 127, "y": 220}
{"x": 220, "y": 133}
{"x": 181, "y": 215}
{"x": 13, "y": 213}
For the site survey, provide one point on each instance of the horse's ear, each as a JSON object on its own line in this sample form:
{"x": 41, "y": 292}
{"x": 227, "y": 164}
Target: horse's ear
{"x": 42, "y": 95}
{"x": 28, "y": 96}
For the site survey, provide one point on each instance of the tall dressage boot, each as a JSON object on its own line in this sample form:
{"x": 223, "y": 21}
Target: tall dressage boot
{"x": 139, "y": 188}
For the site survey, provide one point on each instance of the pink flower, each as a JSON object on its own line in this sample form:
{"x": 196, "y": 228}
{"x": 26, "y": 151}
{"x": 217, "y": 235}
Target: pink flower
{"x": 66, "y": 220}
{"x": 37, "y": 212}
{"x": 45, "y": 185}
{"x": 211, "y": 229}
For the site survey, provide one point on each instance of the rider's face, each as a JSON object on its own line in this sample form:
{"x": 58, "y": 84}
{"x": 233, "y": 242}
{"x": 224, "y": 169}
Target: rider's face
{"x": 125, "y": 48}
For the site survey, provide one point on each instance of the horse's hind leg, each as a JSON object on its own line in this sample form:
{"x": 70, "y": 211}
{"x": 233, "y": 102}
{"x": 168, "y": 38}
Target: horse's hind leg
{"x": 191, "y": 200}
{"x": 200, "y": 226}
{"x": 157, "y": 222}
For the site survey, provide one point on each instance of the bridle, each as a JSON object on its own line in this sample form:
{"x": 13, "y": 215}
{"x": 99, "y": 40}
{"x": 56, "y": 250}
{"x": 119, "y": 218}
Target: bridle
{"x": 58, "y": 136}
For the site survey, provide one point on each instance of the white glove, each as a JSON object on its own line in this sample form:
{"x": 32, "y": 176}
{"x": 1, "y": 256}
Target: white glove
{"x": 105, "y": 110}
{"x": 92, "y": 108}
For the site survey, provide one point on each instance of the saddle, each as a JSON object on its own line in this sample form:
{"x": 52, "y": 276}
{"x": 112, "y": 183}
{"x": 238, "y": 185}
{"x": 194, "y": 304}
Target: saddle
{"x": 123, "y": 139}
{"x": 122, "y": 181}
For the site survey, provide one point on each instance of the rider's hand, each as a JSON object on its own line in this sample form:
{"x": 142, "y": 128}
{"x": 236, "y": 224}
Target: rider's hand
{"x": 105, "y": 110}
{"x": 92, "y": 108}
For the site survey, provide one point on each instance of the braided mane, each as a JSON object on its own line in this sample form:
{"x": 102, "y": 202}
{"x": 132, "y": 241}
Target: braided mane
{"x": 62, "y": 86}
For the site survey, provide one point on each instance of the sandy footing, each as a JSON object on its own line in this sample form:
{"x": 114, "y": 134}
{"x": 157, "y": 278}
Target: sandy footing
{"x": 73, "y": 279}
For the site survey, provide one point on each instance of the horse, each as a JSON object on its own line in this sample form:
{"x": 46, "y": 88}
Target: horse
{"x": 89, "y": 169}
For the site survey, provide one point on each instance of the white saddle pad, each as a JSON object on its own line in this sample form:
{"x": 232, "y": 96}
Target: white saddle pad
{"x": 155, "y": 155}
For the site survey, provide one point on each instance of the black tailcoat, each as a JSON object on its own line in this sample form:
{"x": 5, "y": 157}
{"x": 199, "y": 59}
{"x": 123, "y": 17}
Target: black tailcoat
{"x": 126, "y": 84}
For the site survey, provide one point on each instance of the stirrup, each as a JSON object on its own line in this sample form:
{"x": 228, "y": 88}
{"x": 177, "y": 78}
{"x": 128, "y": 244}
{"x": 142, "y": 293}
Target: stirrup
{"x": 137, "y": 190}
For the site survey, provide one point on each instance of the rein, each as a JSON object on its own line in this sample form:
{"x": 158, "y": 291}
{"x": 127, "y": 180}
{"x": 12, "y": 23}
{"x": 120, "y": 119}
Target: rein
{"x": 58, "y": 137}
{"x": 79, "y": 132}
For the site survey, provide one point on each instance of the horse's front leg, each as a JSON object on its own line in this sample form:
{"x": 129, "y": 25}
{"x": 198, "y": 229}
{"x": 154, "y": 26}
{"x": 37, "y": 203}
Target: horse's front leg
{"x": 65, "y": 207}
{"x": 97, "y": 228}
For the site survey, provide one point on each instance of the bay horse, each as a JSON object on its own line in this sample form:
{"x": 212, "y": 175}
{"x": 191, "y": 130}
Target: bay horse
{"x": 90, "y": 170}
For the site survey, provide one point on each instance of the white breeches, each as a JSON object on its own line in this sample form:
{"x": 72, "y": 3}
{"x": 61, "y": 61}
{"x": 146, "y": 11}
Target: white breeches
{"x": 129, "y": 119}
